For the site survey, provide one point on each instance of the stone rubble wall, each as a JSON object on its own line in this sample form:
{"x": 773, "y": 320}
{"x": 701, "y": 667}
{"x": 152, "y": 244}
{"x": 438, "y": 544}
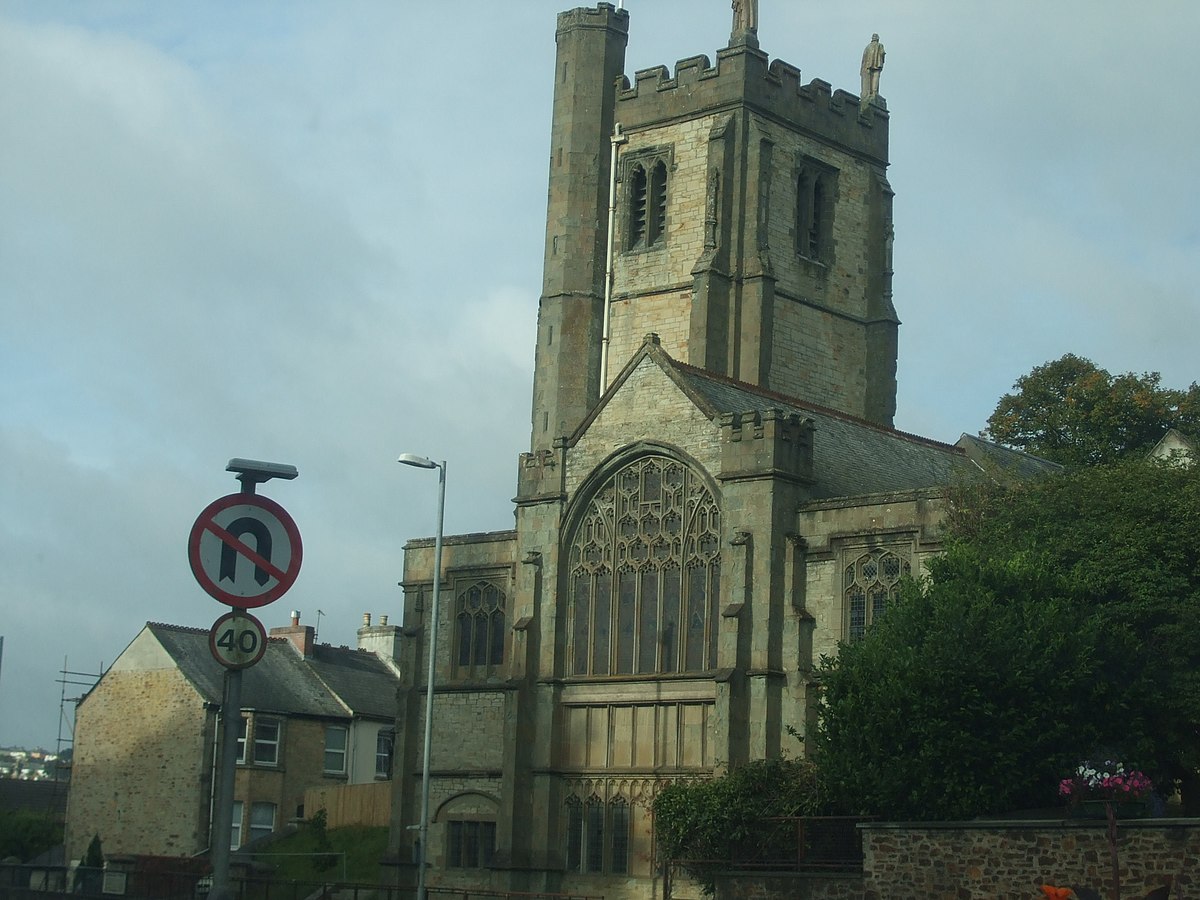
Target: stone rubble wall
{"x": 994, "y": 861}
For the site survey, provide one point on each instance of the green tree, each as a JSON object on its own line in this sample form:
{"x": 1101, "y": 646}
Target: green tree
{"x": 1073, "y": 412}
{"x": 1060, "y": 624}
{"x": 972, "y": 695}
{"x": 93, "y": 857}
{"x": 26, "y": 834}
{"x": 704, "y": 821}
{"x": 1123, "y": 537}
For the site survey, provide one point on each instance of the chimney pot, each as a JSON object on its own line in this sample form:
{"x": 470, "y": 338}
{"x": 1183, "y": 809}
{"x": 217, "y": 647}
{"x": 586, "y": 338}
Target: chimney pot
{"x": 383, "y": 620}
{"x": 366, "y": 619}
{"x": 295, "y": 617}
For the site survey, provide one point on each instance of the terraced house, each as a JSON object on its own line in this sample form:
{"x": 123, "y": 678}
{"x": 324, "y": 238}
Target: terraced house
{"x": 312, "y": 715}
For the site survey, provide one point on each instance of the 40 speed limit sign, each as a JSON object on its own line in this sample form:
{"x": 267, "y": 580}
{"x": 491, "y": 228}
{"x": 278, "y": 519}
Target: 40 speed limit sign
{"x": 237, "y": 640}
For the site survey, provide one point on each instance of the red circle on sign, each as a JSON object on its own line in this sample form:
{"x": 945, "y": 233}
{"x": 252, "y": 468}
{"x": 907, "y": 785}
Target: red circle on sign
{"x": 226, "y": 642}
{"x": 262, "y": 513}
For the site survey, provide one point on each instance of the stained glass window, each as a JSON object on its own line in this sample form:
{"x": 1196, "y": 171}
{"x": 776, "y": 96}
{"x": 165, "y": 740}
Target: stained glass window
{"x": 480, "y": 629}
{"x": 870, "y": 582}
{"x": 644, "y": 573}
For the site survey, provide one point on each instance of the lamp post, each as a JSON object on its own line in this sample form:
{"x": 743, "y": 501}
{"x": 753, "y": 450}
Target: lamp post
{"x": 411, "y": 459}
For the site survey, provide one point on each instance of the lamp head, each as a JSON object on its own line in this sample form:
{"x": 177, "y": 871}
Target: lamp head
{"x": 256, "y": 471}
{"x": 411, "y": 459}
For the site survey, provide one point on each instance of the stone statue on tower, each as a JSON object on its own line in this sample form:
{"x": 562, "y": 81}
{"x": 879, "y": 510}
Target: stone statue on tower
{"x": 745, "y": 23}
{"x": 872, "y": 65}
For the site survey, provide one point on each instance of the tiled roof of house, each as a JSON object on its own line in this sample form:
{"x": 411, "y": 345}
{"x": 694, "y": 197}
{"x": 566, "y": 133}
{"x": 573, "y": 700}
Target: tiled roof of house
{"x": 362, "y": 680}
{"x": 333, "y": 683}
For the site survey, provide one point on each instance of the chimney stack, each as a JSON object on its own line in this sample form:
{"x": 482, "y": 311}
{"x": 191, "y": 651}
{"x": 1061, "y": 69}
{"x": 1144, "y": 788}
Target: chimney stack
{"x": 301, "y": 636}
{"x": 383, "y": 639}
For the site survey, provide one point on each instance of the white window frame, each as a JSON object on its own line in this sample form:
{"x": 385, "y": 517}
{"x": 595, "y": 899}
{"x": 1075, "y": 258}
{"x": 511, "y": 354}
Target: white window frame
{"x": 235, "y": 833}
{"x": 272, "y": 743}
{"x": 343, "y": 751}
{"x": 385, "y": 747}
{"x": 258, "y": 829}
{"x": 243, "y": 727}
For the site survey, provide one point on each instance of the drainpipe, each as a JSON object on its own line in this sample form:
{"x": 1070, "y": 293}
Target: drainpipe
{"x": 617, "y": 139}
{"x": 213, "y": 778}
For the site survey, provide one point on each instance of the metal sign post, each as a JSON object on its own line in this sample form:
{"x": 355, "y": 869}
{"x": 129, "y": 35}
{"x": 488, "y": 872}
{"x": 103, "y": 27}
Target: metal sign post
{"x": 244, "y": 577}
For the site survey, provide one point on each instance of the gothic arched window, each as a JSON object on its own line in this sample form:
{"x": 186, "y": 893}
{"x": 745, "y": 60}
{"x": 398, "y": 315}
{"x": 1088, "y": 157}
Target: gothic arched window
{"x": 479, "y": 622}
{"x": 643, "y": 573}
{"x": 871, "y": 582}
{"x": 638, "y": 190}
{"x": 815, "y": 187}
{"x": 657, "y": 213}
{"x": 647, "y": 176}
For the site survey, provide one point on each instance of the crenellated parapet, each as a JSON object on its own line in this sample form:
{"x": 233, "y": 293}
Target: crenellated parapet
{"x": 540, "y": 475}
{"x": 744, "y": 76}
{"x": 603, "y": 15}
{"x": 766, "y": 444}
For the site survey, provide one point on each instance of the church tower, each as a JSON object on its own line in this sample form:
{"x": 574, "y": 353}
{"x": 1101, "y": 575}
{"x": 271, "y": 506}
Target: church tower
{"x": 713, "y": 498}
{"x": 751, "y": 228}
{"x": 590, "y": 60}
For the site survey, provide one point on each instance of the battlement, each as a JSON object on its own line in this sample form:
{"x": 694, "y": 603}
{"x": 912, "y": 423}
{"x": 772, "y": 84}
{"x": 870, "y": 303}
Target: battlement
{"x": 540, "y": 475}
{"x": 744, "y": 76}
{"x": 766, "y": 443}
{"x": 604, "y": 15}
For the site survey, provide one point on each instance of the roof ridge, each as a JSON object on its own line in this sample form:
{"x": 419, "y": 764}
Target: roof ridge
{"x": 809, "y": 405}
{"x": 187, "y": 629}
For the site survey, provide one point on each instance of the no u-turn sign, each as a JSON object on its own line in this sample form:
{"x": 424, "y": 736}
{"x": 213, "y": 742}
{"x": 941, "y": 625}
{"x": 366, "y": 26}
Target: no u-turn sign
{"x": 245, "y": 550}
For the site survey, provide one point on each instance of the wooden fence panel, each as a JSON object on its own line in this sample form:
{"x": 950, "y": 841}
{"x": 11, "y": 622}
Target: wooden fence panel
{"x": 351, "y": 804}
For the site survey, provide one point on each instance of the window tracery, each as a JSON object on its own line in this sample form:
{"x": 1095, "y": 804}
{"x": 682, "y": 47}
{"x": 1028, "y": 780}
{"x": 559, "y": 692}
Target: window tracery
{"x": 870, "y": 582}
{"x": 647, "y": 177}
{"x": 815, "y": 187}
{"x": 480, "y": 634}
{"x": 644, "y": 573}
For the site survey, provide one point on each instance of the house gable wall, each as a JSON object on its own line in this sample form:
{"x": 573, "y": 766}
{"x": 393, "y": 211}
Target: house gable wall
{"x": 141, "y": 775}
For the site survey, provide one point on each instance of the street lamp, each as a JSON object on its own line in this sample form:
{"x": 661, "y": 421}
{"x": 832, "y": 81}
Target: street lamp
{"x": 411, "y": 459}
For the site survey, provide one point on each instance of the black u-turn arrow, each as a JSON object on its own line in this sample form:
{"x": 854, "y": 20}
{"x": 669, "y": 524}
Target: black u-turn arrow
{"x": 262, "y": 546}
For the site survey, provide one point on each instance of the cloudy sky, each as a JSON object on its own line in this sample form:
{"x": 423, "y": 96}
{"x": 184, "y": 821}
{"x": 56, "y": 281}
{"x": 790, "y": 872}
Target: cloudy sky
{"x": 311, "y": 232}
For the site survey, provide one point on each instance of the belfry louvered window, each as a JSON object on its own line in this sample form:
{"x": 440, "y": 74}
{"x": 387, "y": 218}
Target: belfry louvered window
{"x": 647, "y": 198}
{"x": 657, "y": 211}
{"x": 870, "y": 582}
{"x": 638, "y": 191}
{"x": 815, "y": 189}
{"x": 644, "y": 573}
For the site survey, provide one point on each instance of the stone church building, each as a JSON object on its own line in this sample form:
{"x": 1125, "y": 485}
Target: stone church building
{"x": 714, "y": 496}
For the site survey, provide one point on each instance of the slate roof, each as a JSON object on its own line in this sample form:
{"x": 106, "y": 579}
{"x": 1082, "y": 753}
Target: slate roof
{"x": 851, "y": 457}
{"x": 335, "y": 682}
{"x": 989, "y": 457}
{"x": 362, "y": 680}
